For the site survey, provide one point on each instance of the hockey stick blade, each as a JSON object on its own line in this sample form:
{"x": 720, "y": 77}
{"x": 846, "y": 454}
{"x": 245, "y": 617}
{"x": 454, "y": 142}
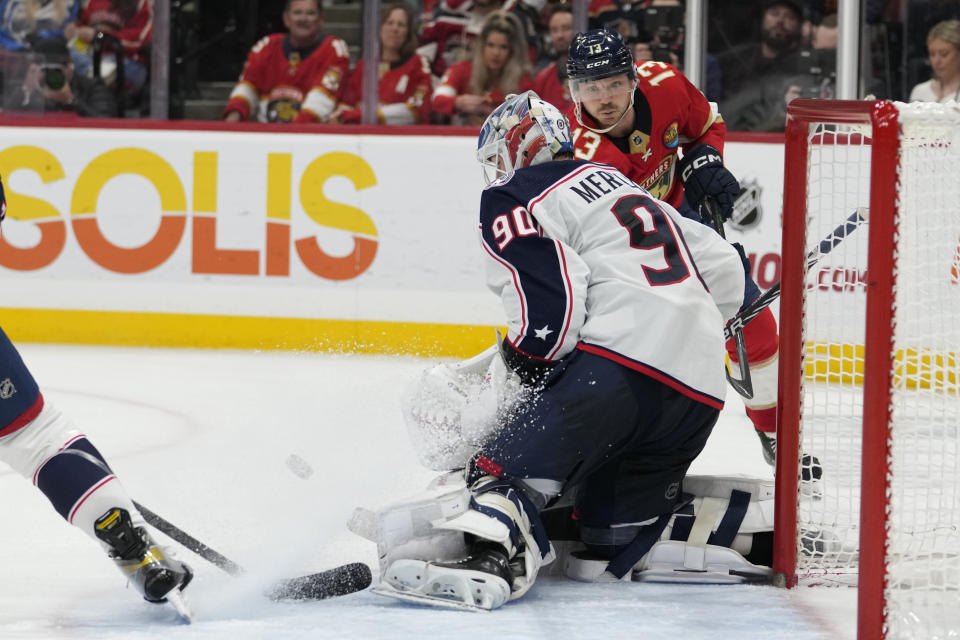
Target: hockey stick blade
{"x": 339, "y": 581}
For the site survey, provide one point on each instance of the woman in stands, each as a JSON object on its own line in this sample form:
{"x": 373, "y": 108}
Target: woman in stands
{"x": 500, "y": 65}
{"x": 24, "y": 20}
{"x": 405, "y": 80}
{"x": 943, "y": 46}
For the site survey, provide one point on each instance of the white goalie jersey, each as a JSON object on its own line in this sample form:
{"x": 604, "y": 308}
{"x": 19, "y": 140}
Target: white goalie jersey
{"x": 582, "y": 257}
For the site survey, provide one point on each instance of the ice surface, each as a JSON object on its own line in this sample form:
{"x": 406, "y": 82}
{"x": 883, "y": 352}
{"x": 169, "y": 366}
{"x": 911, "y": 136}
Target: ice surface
{"x": 204, "y": 437}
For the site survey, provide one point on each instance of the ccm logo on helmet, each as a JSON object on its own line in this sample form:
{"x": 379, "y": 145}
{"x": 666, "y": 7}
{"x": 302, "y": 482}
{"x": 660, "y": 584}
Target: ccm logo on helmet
{"x": 601, "y": 63}
{"x": 700, "y": 162}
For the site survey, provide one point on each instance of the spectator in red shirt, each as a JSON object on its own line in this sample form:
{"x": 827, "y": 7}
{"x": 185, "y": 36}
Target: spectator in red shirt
{"x": 291, "y": 77}
{"x": 405, "y": 80}
{"x": 471, "y": 89}
{"x": 130, "y": 21}
{"x": 551, "y": 82}
{"x": 450, "y": 35}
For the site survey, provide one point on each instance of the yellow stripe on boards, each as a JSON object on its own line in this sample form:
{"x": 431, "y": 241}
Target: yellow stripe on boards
{"x": 123, "y": 328}
{"x": 929, "y": 369}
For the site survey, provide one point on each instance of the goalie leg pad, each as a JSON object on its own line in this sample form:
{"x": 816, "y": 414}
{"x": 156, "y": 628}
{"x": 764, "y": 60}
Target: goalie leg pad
{"x": 676, "y": 561}
{"x": 502, "y": 513}
{"x": 410, "y": 529}
{"x": 708, "y": 538}
{"x": 508, "y": 547}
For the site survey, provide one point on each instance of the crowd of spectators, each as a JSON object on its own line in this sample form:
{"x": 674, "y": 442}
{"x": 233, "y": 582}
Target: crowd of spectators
{"x": 475, "y": 52}
{"x": 48, "y": 50}
{"x": 453, "y": 61}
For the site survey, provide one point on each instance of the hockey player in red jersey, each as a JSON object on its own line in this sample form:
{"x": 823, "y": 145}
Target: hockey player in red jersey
{"x": 405, "y": 81}
{"x": 292, "y": 77}
{"x": 638, "y": 117}
{"x": 45, "y": 446}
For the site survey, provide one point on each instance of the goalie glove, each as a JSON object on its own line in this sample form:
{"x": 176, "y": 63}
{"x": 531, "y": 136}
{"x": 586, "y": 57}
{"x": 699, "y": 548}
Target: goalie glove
{"x": 704, "y": 176}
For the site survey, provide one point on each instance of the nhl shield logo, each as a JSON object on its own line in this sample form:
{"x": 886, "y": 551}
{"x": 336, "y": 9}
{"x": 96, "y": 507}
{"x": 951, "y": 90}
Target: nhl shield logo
{"x": 639, "y": 144}
{"x": 7, "y": 389}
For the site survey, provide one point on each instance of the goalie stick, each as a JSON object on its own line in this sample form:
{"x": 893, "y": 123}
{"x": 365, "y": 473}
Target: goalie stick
{"x": 338, "y": 581}
{"x": 825, "y": 246}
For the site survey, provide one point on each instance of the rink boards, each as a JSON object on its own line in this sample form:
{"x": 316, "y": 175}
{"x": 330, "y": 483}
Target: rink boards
{"x": 272, "y": 238}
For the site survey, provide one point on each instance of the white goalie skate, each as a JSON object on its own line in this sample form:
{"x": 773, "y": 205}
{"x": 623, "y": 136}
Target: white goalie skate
{"x": 478, "y": 583}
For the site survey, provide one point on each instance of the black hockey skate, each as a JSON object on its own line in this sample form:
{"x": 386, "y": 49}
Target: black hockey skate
{"x": 810, "y": 469}
{"x": 481, "y": 581}
{"x": 155, "y": 576}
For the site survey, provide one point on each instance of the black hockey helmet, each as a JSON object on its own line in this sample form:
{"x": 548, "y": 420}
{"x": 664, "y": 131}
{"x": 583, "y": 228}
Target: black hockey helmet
{"x": 598, "y": 54}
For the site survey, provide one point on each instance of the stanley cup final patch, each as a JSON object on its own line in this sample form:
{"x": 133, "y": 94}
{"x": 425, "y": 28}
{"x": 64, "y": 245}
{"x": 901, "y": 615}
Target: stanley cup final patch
{"x": 7, "y": 389}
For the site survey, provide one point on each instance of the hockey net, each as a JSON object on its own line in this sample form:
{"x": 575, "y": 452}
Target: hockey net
{"x": 870, "y": 362}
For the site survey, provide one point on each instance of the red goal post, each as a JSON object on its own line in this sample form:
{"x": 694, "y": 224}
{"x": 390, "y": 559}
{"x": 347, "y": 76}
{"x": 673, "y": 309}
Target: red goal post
{"x": 869, "y": 364}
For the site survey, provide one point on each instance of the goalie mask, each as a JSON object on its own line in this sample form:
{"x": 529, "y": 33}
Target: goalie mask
{"x": 521, "y": 132}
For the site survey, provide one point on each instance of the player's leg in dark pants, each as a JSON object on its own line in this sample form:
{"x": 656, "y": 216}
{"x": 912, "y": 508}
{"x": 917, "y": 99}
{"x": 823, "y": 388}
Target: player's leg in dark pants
{"x": 596, "y": 413}
{"x": 646, "y": 480}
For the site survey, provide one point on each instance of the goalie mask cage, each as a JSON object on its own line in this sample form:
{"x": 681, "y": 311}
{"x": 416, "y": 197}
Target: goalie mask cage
{"x": 870, "y": 362}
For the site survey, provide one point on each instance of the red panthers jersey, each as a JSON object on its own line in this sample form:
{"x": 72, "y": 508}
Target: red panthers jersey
{"x": 669, "y": 114}
{"x": 134, "y": 32}
{"x": 551, "y": 88}
{"x": 456, "y": 81}
{"x": 404, "y": 91}
{"x": 283, "y": 84}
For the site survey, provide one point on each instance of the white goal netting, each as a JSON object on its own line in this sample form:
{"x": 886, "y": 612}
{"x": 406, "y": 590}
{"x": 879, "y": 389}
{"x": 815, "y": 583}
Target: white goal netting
{"x": 922, "y": 566}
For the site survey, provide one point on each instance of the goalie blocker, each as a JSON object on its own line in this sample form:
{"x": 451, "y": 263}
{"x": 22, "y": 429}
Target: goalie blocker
{"x": 721, "y": 534}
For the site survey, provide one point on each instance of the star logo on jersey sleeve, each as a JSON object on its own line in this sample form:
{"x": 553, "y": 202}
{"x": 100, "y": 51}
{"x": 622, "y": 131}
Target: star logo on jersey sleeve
{"x": 543, "y": 333}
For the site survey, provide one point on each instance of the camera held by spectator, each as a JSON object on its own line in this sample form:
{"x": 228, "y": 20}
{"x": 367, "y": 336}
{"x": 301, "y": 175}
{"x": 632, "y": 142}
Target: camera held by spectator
{"x": 48, "y": 84}
{"x": 53, "y": 75}
{"x": 665, "y": 25}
